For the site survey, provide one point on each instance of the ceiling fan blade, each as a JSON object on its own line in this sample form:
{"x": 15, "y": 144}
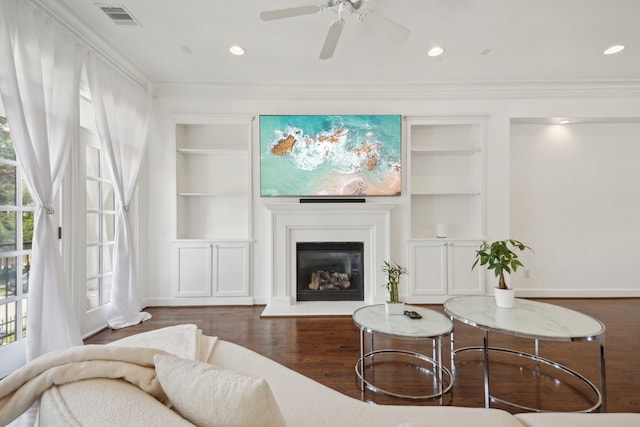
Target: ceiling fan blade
{"x": 391, "y": 28}
{"x": 331, "y": 41}
{"x": 270, "y": 15}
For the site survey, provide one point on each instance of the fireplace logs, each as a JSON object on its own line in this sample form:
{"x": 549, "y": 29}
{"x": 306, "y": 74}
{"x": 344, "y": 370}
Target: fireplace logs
{"x": 326, "y": 280}
{"x": 329, "y": 271}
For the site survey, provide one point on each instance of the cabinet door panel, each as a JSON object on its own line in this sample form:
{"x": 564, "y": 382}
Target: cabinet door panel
{"x": 463, "y": 280}
{"x": 194, "y": 270}
{"x": 231, "y": 270}
{"x": 429, "y": 269}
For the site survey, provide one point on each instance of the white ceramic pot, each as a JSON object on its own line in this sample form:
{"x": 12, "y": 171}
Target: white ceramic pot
{"x": 394, "y": 307}
{"x": 504, "y": 297}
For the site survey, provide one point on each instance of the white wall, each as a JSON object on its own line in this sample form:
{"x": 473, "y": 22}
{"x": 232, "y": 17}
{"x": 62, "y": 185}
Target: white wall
{"x": 575, "y": 201}
{"x": 158, "y": 187}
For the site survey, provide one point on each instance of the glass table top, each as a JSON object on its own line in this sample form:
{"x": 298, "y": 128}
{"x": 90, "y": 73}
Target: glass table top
{"x": 373, "y": 318}
{"x": 529, "y": 319}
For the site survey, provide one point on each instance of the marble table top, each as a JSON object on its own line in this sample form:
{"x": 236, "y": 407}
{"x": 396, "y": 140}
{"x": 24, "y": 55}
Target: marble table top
{"x": 528, "y": 319}
{"x": 373, "y": 318}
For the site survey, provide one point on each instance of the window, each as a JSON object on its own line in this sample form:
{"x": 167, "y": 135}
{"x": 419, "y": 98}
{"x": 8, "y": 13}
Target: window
{"x": 88, "y": 217}
{"x": 100, "y": 220}
{"x": 16, "y": 232}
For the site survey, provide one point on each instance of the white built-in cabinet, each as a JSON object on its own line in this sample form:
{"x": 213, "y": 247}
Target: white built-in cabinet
{"x": 213, "y": 269}
{"x": 213, "y": 206}
{"x": 444, "y": 268}
{"x": 447, "y": 197}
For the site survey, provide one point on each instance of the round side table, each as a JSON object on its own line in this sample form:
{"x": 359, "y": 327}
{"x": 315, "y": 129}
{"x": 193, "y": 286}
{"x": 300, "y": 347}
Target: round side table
{"x": 432, "y": 326}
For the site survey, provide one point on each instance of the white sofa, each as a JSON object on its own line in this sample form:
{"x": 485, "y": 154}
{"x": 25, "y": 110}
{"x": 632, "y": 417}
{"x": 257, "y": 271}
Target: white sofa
{"x": 300, "y": 400}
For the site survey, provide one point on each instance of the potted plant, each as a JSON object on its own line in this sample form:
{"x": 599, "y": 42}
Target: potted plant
{"x": 500, "y": 256}
{"x": 394, "y": 273}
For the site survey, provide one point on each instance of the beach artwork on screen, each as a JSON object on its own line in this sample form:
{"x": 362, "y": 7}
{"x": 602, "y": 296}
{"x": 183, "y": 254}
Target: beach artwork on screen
{"x": 341, "y": 155}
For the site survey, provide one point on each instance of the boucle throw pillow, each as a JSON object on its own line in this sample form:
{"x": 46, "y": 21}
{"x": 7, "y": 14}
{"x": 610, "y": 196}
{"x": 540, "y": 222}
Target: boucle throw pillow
{"x": 210, "y": 396}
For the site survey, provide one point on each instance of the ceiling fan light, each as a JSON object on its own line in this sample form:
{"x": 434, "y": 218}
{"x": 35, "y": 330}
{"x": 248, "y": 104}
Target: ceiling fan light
{"x": 237, "y": 50}
{"x": 435, "y": 51}
{"x": 614, "y": 49}
{"x": 345, "y": 9}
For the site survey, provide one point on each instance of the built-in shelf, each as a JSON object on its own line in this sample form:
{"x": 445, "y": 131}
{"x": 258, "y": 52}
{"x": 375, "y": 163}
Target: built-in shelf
{"x": 446, "y": 193}
{"x": 446, "y": 175}
{"x": 212, "y": 152}
{"x": 445, "y": 152}
{"x": 446, "y": 189}
{"x": 213, "y": 178}
{"x": 213, "y": 209}
{"x": 241, "y": 195}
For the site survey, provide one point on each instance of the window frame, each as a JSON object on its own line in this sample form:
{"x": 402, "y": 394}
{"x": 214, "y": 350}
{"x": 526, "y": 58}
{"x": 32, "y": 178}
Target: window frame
{"x": 13, "y": 354}
{"x": 74, "y": 221}
{"x": 103, "y": 244}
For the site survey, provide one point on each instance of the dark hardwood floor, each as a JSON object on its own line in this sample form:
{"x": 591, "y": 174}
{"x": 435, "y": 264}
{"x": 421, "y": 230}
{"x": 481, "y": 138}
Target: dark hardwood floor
{"x": 326, "y": 349}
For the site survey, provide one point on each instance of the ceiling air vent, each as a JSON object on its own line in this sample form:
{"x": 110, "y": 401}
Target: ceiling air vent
{"x": 118, "y": 14}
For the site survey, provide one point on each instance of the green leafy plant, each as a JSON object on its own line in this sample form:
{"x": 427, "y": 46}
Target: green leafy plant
{"x": 499, "y": 256}
{"x": 394, "y": 273}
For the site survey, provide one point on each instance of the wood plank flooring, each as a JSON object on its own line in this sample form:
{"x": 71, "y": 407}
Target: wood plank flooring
{"x": 326, "y": 349}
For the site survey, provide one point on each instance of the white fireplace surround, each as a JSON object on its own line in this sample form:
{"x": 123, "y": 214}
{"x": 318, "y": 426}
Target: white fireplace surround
{"x": 326, "y": 222}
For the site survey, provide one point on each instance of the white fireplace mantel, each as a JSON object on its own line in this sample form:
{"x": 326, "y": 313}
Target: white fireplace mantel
{"x": 327, "y": 222}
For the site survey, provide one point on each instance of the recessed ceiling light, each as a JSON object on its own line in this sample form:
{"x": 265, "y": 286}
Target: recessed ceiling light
{"x": 613, "y": 49}
{"x": 236, "y": 50}
{"x": 564, "y": 122}
{"x": 435, "y": 51}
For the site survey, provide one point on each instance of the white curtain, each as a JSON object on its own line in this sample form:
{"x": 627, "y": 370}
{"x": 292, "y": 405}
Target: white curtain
{"x": 122, "y": 111}
{"x": 40, "y": 66}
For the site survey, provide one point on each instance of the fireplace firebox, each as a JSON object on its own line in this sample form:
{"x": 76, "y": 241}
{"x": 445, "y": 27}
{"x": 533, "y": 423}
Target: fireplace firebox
{"x": 330, "y": 271}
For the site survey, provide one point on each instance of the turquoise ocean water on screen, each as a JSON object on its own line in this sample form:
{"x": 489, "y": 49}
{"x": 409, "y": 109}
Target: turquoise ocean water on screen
{"x": 342, "y": 155}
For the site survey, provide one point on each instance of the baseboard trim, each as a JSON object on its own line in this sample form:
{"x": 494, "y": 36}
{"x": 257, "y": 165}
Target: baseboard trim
{"x": 409, "y": 299}
{"x": 186, "y": 302}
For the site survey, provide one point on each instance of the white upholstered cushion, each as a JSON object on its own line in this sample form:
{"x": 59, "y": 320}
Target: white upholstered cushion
{"x": 104, "y": 402}
{"x": 210, "y": 396}
{"x": 557, "y": 419}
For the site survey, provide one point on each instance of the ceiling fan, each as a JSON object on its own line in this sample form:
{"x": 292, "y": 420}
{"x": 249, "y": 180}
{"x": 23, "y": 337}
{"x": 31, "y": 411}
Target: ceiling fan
{"x": 344, "y": 9}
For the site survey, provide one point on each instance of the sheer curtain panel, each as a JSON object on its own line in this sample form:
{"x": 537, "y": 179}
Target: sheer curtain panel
{"x": 122, "y": 111}
{"x": 40, "y": 66}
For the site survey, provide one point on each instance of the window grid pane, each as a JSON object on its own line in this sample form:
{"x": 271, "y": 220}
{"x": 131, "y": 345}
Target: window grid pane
{"x": 93, "y": 228}
{"x": 8, "y": 235}
{"x": 93, "y": 293}
{"x": 6, "y": 145}
{"x": 93, "y": 195}
{"x": 108, "y": 202}
{"x": 107, "y": 259}
{"x": 93, "y": 261}
{"x": 109, "y": 221}
{"x": 27, "y": 230}
{"x": 93, "y": 162}
{"x": 8, "y": 277}
{"x": 26, "y": 272}
{"x": 27, "y": 200}
{"x": 24, "y": 318}
{"x": 8, "y": 184}
{"x": 106, "y": 289}
{"x": 8, "y": 323}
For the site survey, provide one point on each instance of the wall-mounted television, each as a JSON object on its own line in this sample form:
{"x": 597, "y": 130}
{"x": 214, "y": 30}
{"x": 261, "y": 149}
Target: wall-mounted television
{"x": 335, "y": 156}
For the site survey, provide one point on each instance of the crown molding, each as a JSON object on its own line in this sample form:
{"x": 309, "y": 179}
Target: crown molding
{"x": 400, "y": 91}
{"x": 97, "y": 45}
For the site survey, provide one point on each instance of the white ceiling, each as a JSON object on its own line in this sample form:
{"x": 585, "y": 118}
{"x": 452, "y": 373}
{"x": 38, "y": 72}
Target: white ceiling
{"x": 529, "y": 40}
